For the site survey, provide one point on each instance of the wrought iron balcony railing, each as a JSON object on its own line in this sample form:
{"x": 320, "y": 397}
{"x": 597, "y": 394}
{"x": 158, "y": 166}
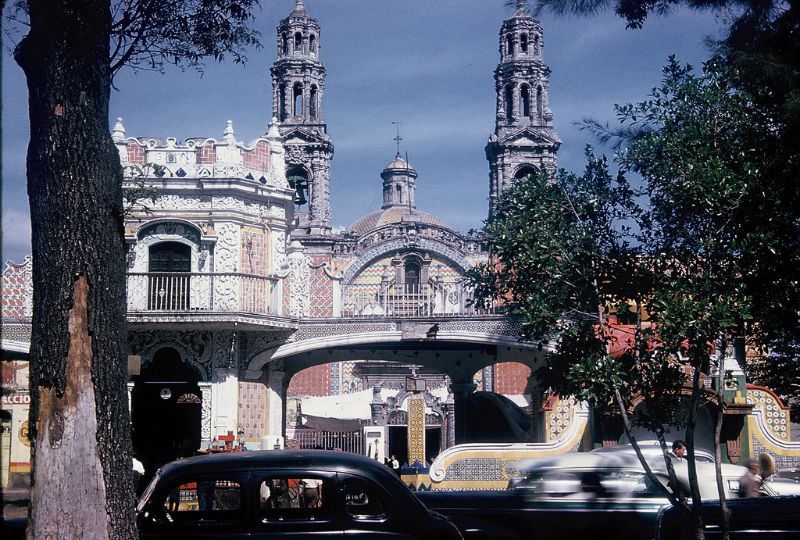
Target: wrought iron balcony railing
{"x": 412, "y": 301}
{"x": 218, "y": 292}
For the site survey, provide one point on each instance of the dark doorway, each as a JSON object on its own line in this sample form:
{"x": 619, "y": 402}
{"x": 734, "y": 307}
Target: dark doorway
{"x": 166, "y": 410}
{"x": 398, "y": 443}
{"x": 433, "y": 443}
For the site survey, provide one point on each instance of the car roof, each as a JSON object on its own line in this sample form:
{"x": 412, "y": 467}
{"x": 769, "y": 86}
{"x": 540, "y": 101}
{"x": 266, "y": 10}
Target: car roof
{"x": 329, "y": 460}
{"x": 647, "y": 447}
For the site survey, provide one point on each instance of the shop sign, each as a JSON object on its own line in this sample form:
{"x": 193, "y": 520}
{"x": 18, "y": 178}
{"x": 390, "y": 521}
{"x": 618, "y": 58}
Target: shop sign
{"x": 16, "y": 399}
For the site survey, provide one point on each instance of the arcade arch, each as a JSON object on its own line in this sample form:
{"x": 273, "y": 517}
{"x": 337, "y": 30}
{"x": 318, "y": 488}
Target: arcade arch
{"x": 166, "y": 409}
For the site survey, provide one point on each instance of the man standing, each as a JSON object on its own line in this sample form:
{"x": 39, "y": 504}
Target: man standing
{"x": 678, "y": 453}
{"x": 395, "y": 465}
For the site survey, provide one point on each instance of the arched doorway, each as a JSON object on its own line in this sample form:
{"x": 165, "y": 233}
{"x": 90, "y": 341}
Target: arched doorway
{"x": 166, "y": 410}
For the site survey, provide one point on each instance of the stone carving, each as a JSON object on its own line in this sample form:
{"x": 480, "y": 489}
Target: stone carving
{"x": 225, "y": 350}
{"x": 391, "y": 247}
{"x": 193, "y": 346}
{"x": 205, "y": 414}
{"x": 226, "y": 252}
{"x": 299, "y": 280}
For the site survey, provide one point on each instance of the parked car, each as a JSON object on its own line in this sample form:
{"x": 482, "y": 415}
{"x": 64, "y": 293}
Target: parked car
{"x": 284, "y": 494}
{"x": 752, "y": 518}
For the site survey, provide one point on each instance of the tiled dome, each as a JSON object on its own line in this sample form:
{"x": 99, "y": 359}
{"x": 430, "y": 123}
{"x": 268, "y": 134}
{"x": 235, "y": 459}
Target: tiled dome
{"x": 392, "y": 216}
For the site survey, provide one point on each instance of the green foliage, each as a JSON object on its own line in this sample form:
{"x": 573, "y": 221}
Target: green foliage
{"x": 147, "y": 34}
{"x": 568, "y": 249}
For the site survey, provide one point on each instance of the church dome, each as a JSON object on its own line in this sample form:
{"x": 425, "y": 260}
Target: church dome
{"x": 394, "y": 215}
{"x": 399, "y": 163}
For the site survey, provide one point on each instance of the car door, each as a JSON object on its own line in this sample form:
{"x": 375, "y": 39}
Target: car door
{"x": 197, "y": 505}
{"x": 294, "y": 504}
{"x": 370, "y": 512}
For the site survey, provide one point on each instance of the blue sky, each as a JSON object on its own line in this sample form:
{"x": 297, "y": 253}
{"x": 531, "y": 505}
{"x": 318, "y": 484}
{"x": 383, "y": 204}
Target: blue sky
{"x": 426, "y": 63}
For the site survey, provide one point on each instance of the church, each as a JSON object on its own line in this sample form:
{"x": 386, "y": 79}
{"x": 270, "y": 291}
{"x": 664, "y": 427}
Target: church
{"x": 253, "y": 323}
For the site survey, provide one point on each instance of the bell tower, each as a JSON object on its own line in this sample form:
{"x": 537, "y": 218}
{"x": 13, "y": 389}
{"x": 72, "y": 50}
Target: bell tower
{"x": 524, "y": 140}
{"x": 298, "y": 86}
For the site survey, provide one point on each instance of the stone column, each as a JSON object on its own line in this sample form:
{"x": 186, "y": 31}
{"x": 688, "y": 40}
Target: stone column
{"x": 276, "y": 409}
{"x": 205, "y": 414}
{"x": 449, "y": 422}
{"x": 225, "y": 401}
{"x": 461, "y": 393}
{"x": 377, "y": 407}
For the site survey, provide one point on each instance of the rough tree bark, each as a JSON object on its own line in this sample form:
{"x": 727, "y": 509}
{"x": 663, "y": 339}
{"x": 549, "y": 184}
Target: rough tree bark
{"x": 81, "y": 486}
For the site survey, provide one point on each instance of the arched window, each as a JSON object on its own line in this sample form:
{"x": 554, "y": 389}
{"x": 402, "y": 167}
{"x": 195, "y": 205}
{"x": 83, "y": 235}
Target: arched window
{"x": 525, "y": 170}
{"x": 312, "y": 102}
{"x": 312, "y": 44}
{"x": 412, "y": 275}
{"x": 297, "y": 91}
{"x": 539, "y": 103}
{"x": 509, "y": 101}
{"x": 399, "y": 197}
{"x": 509, "y": 44}
{"x": 298, "y": 179}
{"x": 285, "y": 43}
{"x": 523, "y": 43}
{"x": 536, "y": 45}
{"x": 282, "y": 102}
{"x": 525, "y": 101}
{"x": 298, "y": 42}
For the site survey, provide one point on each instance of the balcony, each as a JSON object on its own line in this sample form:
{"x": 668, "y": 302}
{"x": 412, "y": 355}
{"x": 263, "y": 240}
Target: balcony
{"x": 203, "y": 297}
{"x": 412, "y": 301}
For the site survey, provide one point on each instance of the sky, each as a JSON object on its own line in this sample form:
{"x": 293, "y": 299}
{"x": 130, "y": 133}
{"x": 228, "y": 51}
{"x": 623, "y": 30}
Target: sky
{"x": 426, "y": 63}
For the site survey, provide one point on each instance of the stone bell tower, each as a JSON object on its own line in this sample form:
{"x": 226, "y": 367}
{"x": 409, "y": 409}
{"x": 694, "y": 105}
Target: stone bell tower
{"x": 524, "y": 140}
{"x": 298, "y": 87}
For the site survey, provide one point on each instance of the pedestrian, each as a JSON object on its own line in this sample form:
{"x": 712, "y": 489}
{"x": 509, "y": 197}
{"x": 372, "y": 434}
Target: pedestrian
{"x": 678, "y": 453}
{"x": 750, "y": 482}
{"x": 310, "y": 495}
{"x": 395, "y": 465}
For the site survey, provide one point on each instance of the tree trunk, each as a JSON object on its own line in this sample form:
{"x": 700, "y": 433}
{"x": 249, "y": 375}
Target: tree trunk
{"x": 694, "y": 489}
{"x": 81, "y": 485}
{"x": 722, "y": 344}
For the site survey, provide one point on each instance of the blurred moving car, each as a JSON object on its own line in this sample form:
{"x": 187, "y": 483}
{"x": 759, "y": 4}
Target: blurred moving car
{"x": 284, "y": 494}
{"x": 755, "y": 517}
{"x": 597, "y": 494}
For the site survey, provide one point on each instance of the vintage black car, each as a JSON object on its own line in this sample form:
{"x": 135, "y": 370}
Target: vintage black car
{"x": 752, "y": 518}
{"x": 284, "y": 494}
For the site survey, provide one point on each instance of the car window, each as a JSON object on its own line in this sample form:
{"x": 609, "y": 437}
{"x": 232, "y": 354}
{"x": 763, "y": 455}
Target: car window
{"x": 295, "y": 499}
{"x": 362, "y": 501}
{"x": 206, "y": 499}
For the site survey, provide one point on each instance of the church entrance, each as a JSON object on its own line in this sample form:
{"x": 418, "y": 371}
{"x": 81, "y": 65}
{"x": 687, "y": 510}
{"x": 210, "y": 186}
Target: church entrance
{"x": 166, "y": 409}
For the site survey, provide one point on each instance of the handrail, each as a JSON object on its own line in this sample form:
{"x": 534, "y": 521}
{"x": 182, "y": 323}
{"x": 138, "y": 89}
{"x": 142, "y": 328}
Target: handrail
{"x": 202, "y": 291}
